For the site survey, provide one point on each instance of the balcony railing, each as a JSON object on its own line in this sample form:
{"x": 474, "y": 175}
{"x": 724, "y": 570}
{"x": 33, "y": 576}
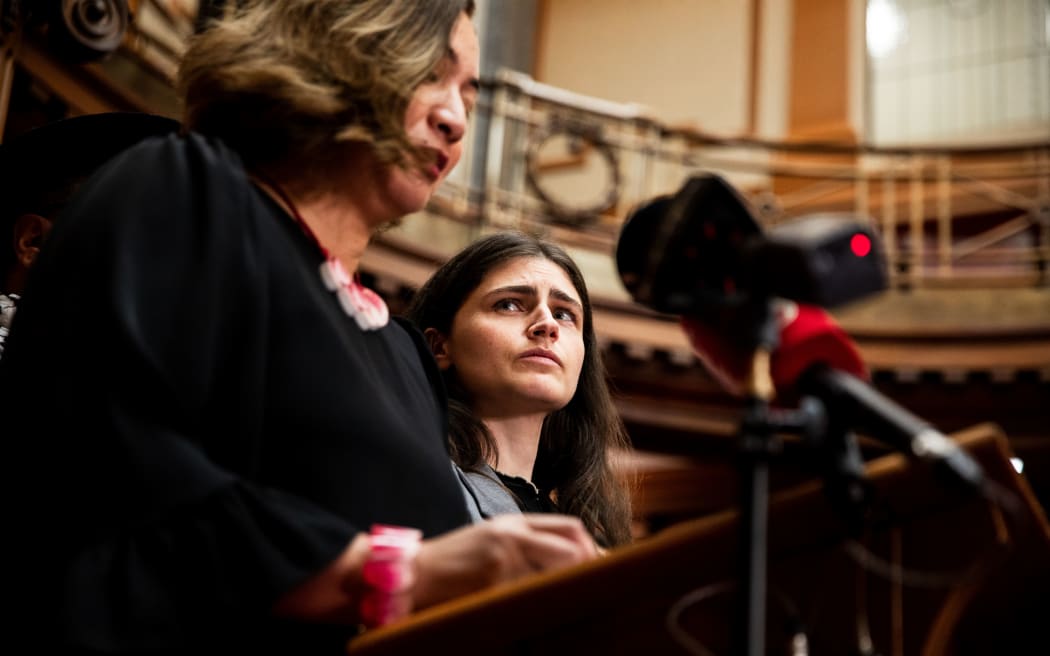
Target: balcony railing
{"x": 553, "y": 161}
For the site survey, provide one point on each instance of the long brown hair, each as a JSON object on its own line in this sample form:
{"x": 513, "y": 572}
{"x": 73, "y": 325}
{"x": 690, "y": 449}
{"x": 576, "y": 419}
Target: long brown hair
{"x": 576, "y": 441}
{"x": 286, "y": 82}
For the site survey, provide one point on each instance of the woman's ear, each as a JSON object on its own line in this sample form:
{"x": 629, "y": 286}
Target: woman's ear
{"x": 30, "y": 232}
{"x": 439, "y": 347}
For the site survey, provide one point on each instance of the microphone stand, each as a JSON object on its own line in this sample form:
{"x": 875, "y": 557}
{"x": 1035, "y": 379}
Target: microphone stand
{"x": 757, "y": 444}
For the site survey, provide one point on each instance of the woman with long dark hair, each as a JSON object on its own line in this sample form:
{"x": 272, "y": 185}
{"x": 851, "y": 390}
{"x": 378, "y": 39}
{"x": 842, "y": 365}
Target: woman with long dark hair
{"x": 532, "y": 421}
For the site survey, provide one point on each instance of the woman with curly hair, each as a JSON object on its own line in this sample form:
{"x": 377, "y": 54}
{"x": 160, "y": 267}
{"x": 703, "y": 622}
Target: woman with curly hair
{"x": 209, "y": 409}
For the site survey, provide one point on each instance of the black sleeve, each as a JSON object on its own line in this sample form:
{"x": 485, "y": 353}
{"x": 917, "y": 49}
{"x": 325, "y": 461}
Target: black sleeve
{"x": 148, "y": 307}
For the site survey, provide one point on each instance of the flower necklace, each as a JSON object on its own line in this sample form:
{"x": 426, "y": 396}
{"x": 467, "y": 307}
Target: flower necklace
{"x": 364, "y": 305}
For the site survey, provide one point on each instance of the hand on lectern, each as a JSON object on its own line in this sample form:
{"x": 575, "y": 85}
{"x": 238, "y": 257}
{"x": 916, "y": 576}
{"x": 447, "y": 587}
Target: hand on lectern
{"x": 498, "y": 550}
{"x": 477, "y": 556}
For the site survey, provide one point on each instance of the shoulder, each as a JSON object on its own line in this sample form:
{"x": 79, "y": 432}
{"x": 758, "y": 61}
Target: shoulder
{"x": 485, "y": 493}
{"x": 157, "y": 204}
{"x": 169, "y": 182}
{"x": 182, "y": 155}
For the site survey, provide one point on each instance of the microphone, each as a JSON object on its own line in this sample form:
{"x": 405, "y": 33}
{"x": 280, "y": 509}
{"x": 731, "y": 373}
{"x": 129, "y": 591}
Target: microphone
{"x": 701, "y": 254}
{"x": 745, "y": 297}
{"x": 815, "y": 357}
{"x": 880, "y": 417}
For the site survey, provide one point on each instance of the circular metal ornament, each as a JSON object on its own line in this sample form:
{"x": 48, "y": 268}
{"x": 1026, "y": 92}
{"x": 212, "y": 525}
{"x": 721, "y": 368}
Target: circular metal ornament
{"x": 583, "y": 137}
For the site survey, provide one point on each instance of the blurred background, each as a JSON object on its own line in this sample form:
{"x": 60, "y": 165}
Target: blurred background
{"x": 929, "y": 120}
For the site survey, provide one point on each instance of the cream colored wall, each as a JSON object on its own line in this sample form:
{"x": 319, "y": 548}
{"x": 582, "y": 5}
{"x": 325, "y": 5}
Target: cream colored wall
{"x": 688, "y": 60}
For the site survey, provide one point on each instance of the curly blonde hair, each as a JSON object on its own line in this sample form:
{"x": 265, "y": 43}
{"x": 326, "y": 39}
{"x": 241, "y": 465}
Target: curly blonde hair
{"x": 286, "y": 82}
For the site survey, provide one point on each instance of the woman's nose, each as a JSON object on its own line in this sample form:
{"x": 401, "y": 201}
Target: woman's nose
{"x": 545, "y": 325}
{"x": 450, "y": 118}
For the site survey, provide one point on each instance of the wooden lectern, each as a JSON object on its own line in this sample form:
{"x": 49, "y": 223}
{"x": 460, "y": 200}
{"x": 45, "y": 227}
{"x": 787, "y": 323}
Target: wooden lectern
{"x": 940, "y": 570}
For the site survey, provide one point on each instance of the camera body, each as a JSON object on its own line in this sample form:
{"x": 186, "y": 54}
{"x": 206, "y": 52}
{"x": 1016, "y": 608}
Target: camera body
{"x": 701, "y": 251}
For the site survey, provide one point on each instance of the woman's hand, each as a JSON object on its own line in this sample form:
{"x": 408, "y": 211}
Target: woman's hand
{"x": 497, "y": 550}
{"x": 471, "y": 558}
{"x": 334, "y": 593}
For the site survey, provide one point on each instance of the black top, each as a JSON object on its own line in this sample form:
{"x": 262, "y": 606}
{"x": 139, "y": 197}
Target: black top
{"x": 193, "y": 426}
{"x": 39, "y": 168}
{"x": 529, "y": 497}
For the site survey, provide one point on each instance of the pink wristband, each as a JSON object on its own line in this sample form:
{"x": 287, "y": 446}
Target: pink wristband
{"x": 388, "y": 572}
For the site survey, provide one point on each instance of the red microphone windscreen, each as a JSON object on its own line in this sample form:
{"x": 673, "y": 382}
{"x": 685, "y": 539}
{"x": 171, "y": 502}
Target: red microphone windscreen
{"x": 809, "y": 338}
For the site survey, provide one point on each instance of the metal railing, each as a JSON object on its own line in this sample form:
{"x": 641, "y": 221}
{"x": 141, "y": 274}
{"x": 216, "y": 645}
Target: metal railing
{"x": 557, "y": 162}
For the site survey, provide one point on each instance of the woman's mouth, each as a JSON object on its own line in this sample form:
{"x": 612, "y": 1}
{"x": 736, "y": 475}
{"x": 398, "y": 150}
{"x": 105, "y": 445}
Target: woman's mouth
{"x": 541, "y": 353}
{"x": 436, "y": 167}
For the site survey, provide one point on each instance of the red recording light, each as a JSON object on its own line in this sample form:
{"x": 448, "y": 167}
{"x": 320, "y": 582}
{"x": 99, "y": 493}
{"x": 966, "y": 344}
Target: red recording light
{"x": 860, "y": 244}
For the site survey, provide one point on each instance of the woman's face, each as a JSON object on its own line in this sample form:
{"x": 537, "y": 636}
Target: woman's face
{"x": 517, "y": 340}
{"x": 436, "y": 120}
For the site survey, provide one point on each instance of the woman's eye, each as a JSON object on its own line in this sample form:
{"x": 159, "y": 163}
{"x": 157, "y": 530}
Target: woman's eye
{"x": 565, "y": 315}
{"x": 507, "y": 304}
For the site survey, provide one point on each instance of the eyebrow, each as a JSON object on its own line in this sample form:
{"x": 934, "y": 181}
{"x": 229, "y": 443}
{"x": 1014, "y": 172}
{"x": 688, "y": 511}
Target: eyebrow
{"x": 529, "y": 290}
